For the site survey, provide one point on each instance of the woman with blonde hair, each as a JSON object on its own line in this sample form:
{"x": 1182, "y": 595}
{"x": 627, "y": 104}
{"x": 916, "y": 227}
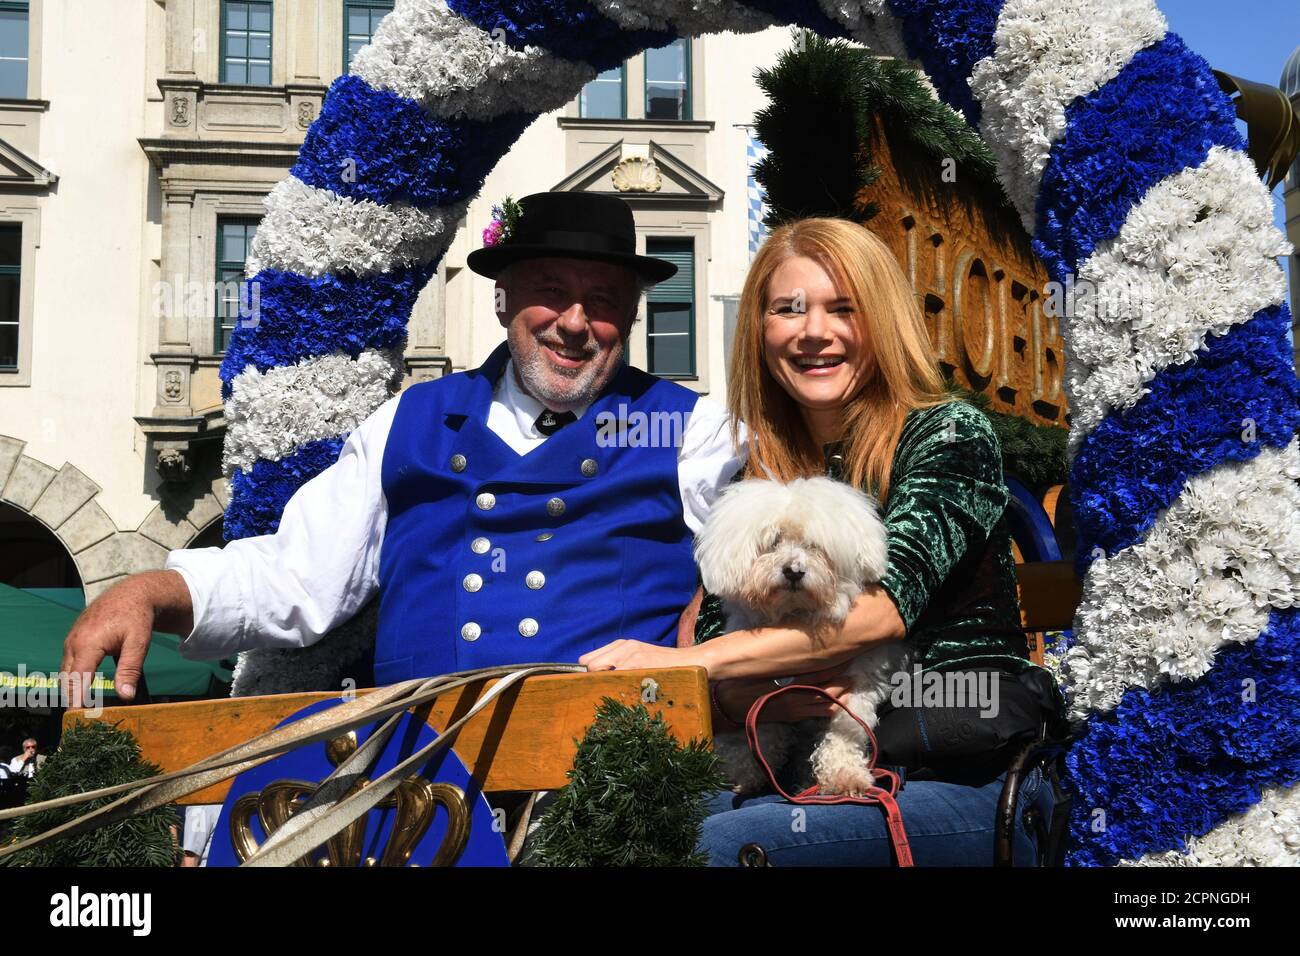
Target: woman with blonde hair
{"x": 832, "y": 372}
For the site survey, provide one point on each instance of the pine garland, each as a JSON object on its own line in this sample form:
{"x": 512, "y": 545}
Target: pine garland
{"x": 635, "y": 796}
{"x": 818, "y": 118}
{"x": 93, "y": 755}
{"x": 820, "y": 125}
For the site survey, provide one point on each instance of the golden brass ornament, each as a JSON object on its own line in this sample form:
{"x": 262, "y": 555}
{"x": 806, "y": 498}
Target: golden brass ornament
{"x": 414, "y": 801}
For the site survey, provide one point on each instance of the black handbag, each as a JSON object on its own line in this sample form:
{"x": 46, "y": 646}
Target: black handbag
{"x": 967, "y": 744}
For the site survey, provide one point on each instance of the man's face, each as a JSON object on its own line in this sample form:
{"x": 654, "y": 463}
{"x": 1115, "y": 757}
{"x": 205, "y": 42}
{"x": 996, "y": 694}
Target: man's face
{"x": 29, "y": 747}
{"x": 566, "y": 320}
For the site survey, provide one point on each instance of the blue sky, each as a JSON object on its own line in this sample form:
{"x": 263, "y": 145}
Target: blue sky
{"x": 1247, "y": 38}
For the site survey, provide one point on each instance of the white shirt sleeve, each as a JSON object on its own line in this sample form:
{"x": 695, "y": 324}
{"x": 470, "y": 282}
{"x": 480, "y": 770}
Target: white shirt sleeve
{"x": 707, "y": 460}
{"x": 322, "y": 564}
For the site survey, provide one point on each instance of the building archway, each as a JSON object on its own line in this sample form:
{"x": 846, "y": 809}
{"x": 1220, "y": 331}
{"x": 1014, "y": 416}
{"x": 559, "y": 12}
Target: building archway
{"x": 31, "y": 555}
{"x": 62, "y": 502}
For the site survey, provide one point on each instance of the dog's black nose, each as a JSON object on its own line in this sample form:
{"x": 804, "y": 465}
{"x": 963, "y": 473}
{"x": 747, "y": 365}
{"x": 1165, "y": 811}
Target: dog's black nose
{"x": 793, "y": 576}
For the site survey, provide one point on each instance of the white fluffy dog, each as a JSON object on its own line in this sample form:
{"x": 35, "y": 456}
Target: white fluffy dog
{"x": 801, "y": 552}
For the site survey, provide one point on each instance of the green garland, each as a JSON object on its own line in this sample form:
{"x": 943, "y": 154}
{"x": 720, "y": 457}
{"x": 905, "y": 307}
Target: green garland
{"x": 635, "y": 796}
{"x": 820, "y": 127}
{"x": 93, "y": 755}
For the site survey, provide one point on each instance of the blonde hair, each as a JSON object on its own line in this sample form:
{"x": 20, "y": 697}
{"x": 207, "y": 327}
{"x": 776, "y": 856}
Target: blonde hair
{"x": 905, "y": 374}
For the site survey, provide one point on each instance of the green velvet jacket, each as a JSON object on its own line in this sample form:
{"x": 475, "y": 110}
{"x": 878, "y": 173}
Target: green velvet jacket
{"x": 950, "y": 572}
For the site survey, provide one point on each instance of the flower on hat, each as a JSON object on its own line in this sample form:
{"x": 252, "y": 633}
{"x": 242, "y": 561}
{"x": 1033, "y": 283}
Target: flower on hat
{"x": 505, "y": 216}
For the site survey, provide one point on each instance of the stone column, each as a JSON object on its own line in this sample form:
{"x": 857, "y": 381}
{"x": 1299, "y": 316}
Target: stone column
{"x": 182, "y": 40}
{"x": 306, "y": 34}
{"x": 178, "y": 207}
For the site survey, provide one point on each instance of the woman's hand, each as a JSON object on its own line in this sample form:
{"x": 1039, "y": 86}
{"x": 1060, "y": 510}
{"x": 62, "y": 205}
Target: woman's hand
{"x": 627, "y": 655}
{"x": 737, "y": 696}
{"x": 777, "y": 650}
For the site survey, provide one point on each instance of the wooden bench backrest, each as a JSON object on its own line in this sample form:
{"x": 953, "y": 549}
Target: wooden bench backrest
{"x": 524, "y": 740}
{"x": 1049, "y": 595}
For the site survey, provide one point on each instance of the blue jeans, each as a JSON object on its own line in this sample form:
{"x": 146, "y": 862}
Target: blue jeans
{"x": 947, "y": 824}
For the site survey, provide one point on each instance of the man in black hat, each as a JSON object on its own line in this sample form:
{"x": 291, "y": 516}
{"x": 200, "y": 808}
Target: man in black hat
{"x": 562, "y": 243}
{"x": 514, "y": 512}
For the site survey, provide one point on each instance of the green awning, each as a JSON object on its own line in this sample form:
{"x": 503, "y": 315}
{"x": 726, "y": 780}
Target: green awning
{"x": 33, "y": 625}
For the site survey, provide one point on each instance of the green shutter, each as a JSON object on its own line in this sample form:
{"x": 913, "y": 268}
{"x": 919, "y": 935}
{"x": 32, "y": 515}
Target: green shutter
{"x": 670, "y": 331}
{"x": 680, "y": 252}
{"x": 11, "y": 240}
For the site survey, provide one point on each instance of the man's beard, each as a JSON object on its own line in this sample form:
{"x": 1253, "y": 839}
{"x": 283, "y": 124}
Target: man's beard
{"x": 580, "y": 386}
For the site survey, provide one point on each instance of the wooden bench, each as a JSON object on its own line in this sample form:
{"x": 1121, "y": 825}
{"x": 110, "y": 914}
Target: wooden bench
{"x": 526, "y": 739}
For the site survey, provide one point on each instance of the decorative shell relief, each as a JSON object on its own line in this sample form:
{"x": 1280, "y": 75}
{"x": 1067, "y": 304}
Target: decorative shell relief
{"x": 637, "y": 174}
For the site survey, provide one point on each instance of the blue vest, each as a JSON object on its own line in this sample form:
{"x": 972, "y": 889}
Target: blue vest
{"x": 492, "y": 557}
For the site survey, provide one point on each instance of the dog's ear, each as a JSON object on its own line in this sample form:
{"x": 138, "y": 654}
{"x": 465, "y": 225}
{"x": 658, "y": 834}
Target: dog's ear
{"x": 733, "y": 535}
{"x": 873, "y": 554}
{"x": 848, "y": 523}
{"x": 873, "y": 541}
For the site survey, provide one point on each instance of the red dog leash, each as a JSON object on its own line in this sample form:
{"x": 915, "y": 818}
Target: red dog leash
{"x": 876, "y": 796}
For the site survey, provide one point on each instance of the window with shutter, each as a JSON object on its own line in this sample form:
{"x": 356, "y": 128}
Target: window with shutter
{"x": 670, "y": 312}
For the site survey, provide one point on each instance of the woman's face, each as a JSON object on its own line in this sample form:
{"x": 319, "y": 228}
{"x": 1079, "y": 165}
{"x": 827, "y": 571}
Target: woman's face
{"x": 811, "y": 339}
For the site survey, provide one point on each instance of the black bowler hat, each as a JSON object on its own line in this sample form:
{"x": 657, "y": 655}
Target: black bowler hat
{"x": 571, "y": 226}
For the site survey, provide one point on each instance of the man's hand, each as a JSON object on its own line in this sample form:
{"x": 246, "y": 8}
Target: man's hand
{"x": 120, "y": 624}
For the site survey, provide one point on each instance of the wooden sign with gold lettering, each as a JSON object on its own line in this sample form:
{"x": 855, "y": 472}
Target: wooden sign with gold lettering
{"x": 980, "y": 286}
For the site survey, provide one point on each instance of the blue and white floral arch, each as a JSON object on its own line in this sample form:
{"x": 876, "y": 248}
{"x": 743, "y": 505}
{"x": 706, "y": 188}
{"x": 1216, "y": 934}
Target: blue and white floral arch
{"x": 1121, "y": 155}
